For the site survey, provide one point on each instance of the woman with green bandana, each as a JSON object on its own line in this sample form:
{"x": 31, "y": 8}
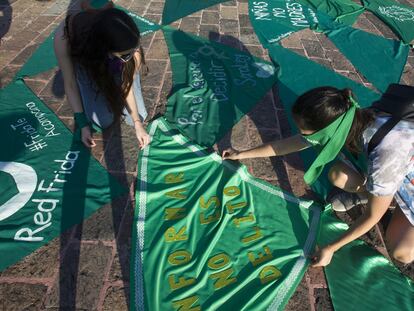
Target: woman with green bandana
{"x": 330, "y": 119}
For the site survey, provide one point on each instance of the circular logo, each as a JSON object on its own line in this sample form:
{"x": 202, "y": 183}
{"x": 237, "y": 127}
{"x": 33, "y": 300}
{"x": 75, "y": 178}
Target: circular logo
{"x": 396, "y": 12}
{"x": 25, "y": 178}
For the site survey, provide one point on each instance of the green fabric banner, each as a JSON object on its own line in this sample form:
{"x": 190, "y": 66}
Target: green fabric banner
{"x": 209, "y": 236}
{"x": 360, "y": 278}
{"x": 381, "y": 65}
{"x": 298, "y": 75}
{"x": 44, "y": 59}
{"x": 176, "y": 9}
{"x": 274, "y": 20}
{"x": 343, "y": 11}
{"x": 48, "y": 182}
{"x": 399, "y": 17}
{"x": 214, "y": 85}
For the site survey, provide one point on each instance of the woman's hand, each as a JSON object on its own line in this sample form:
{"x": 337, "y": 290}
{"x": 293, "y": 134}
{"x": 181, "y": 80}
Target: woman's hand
{"x": 230, "y": 154}
{"x": 86, "y": 137}
{"x": 322, "y": 257}
{"x": 142, "y": 135}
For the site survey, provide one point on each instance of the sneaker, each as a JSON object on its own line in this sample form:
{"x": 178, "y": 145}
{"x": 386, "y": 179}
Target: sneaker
{"x": 344, "y": 201}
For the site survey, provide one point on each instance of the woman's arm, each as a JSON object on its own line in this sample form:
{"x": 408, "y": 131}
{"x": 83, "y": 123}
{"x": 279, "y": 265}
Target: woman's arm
{"x": 275, "y": 148}
{"x": 377, "y": 206}
{"x": 64, "y": 59}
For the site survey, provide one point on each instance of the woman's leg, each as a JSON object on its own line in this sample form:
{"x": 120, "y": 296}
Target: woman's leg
{"x": 346, "y": 178}
{"x": 95, "y": 105}
{"x": 139, "y": 101}
{"x": 400, "y": 237}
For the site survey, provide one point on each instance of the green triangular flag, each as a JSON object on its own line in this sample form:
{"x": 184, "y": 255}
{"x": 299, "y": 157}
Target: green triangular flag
{"x": 214, "y": 85}
{"x": 43, "y": 59}
{"x": 399, "y": 17}
{"x": 360, "y": 278}
{"x": 59, "y": 183}
{"x": 298, "y": 75}
{"x": 381, "y": 65}
{"x": 343, "y": 11}
{"x": 274, "y": 20}
{"x": 209, "y": 236}
{"x": 176, "y": 9}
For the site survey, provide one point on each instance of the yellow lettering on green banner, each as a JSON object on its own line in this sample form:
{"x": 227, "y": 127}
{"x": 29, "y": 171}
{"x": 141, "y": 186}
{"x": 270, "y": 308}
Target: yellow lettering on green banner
{"x": 174, "y": 213}
{"x": 257, "y": 235}
{"x": 173, "y": 178}
{"x": 172, "y": 236}
{"x": 182, "y": 282}
{"x": 180, "y": 257}
{"x": 268, "y": 274}
{"x": 261, "y": 257}
{"x": 186, "y": 304}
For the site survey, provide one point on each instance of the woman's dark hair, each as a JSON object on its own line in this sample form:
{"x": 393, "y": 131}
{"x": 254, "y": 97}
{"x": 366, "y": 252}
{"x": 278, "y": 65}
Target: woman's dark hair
{"x": 317, "y": 108}
{"x": 94, "y": 35}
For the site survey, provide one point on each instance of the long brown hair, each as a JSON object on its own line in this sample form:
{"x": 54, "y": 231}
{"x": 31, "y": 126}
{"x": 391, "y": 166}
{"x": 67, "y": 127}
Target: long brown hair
{"x": 317, "y": 108}
{"x": 98, "y": 33}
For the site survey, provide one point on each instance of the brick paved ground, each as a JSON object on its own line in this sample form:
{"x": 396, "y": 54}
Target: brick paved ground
{"x": 88, "y": 267}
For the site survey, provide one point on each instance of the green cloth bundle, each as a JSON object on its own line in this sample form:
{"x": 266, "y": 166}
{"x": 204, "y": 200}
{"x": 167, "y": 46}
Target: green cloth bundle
{"x": 329, "y": 141}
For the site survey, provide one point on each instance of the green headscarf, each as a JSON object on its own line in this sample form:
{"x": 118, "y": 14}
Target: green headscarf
{"x": 329, "y": 141}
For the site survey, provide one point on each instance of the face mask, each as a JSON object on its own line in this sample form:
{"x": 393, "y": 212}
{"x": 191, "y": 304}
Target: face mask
{"x": 329, "y": 141}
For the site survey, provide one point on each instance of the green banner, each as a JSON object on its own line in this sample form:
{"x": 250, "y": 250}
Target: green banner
{"x": 399, "y": 17}
{"x": 360, "y": 278}
{"x": 48, "y": 182}
{"x": 298, "y": 75}
{"x": 274, "y": 20}
{"x": 209, "y": 236}
{"x": 176, "y": 9}
{"x": 343, "y": 11}
{"x": 381, "y": 65}
{"x": 44, "y": 59}
{"x": 214, "y": 85}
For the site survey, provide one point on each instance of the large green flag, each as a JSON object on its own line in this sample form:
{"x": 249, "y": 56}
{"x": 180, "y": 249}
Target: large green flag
{"x": 299, "y": 75}
{"x": 399, "y": 17}
{"x": 176, "y": 9}
{"x": 360, "y": 278}
{"x": 48, "y": 181}
{"x": 274, "y": 20}
{"x": 209, "y": 236}
{"x": 344, "y": 11}
{"x": 44, "y": 59}
{"x": 380, "y": 60}
{"x": 213, "y": 85}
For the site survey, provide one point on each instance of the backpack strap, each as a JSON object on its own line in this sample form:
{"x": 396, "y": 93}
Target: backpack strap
{"x": 382, "y": 132}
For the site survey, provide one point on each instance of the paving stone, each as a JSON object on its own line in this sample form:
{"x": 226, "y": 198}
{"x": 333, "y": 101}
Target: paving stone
{"x": 7, "y": 74}
{"x": 153, "y": 17}
{"x": 243, "y": 8}
{"x": 229, "y": 12}
{"x": 313, "y": 48}
{"x": 156, "y": 71}
{"x": 210, "y": 18}
{"x": 292, "y": 41}
{"x": 228, "y": 26}
{"x": 214, "y": 8}
{"x": 155, "y": 8}
{"x": 317, "y": 277}
{"x": 158, "y": 50}
{"x": 20, "y": 296}
{"x": 190, "y": 24}
{"x": 36, "y": 86}
{"x": 300, "y": 299}
{"x": 209, "y": 31}
{"x": 115, "y": 299}
{"x": 263, "y": 115}
{"x": 338, "y": 61}
{"x": 382, "y": 28}
{"x": 248, "y": 36}
{"x": 364, "y": 23}
{"x": 81, "y": 277}
{"x": 255, "y": 50}
{"x": 244, "y": 20}
{"x": 229, "y": 3}
{"x": 323, "y": 300}
{"x": 104, "y": 224}
{"x": 120, "y": 270}
{"x": 24, "y": 55}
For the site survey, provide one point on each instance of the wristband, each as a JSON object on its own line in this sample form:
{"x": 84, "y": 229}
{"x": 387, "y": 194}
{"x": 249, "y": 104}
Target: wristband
{"x": 81, "y": 120}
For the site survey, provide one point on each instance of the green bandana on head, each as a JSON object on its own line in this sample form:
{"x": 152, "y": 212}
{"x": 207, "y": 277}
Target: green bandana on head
{"x": 329, "y": 141}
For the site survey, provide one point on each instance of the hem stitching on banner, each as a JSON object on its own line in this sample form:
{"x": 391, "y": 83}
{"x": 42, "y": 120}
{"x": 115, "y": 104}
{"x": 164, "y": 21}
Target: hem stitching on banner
{"x": 139, "y": 254}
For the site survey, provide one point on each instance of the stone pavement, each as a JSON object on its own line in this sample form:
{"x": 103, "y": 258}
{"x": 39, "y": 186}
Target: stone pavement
{"x": 87, "y": 268}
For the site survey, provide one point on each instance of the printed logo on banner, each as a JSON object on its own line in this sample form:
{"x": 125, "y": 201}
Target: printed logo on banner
{"x": 399, "y": 13}
{"x": 25, "y": 178}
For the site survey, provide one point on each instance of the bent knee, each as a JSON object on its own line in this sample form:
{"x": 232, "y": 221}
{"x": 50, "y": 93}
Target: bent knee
{"x": 403, "y": 256}
{"x": 337, "y": 176}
